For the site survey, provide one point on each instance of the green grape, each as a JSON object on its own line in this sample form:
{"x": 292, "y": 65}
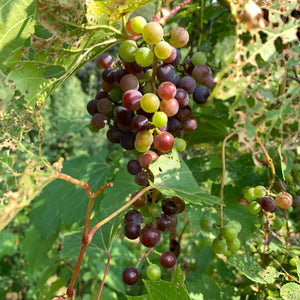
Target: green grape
{"x": 147, "y": 88}
{"x": 140, "y": 149}
{"x": 249, "y": 194}
{"x": 229, "y": 232}
{"x": 163, "y": 50}
{"x": 144, "y": 57}
{"x": 293, "y": 261}
{"x": 179, "y": 37}
{"x": 116, "y": 95}
{"x": 138, "y": 23}
{"x": 153, "y": 272}
{"x": 236, "y": 224}
{"x": 234, "y": 244}
{"x": 219, "y": 246}
{"x": 127, "y": 50}
{"x": 159, "y": 119}
{"x": 199, "y": 58}
{"x": 144, "y": 139}
{"x": 148, "y": 74}
{"x": 154, "y": 210}
{"x": 254, "y": 208}
{"x": 207, "y": 223}
{"x": 150, "y": 103}
{"x": 180, "y": 144}
{"x": 277, "y": 223}
{"x": 259, "y": 191}
{"x": 152, "y": 33}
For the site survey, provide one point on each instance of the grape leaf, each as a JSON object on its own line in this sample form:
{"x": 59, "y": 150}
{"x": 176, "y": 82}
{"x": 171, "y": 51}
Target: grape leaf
{"x": 172, "y": 177}
{"x": 249, "y": 267}
{"x": 163, "y": 290}
{"x": 290, "y": 291}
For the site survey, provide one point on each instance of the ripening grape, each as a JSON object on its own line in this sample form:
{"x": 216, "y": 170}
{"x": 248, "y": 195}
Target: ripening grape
{"x": 141, "y": 201}
{"x": 284, "y": 200}
{"x": 187, "y": 83}
{"x": 138, "y": 23}
{"x": 144, "y": 138}
{"x": 106, "y": 61}
{"x": 179, "y": 37}
{"x": 162, "y": 50}
{"x": 131, "y": 99}
{"x": 189, "y": 124}
{"x": 127, "y": 50}
{"x": 267, "y": 203}
{"x": 144, "y": 57}
{"x": 166, "y": 90}
{"x": 92, "y": 107}
{"x": 129, "y": 82}
{"x": 142, "y": 178}
{"x": 200, "y": 73}
{"x": 167, "y": 259}
{"x": 164, "y": 141}
{"x": 152, "y": 33}
{"x": 129, "y": 28}
{"x": 169, "y": 107}
{"x": 99, "y": 121}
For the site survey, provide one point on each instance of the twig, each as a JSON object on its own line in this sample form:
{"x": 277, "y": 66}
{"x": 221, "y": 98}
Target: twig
{"x": 281, "y": 267}
{"x": 104, "y": 276}
{"x": 269, "y": 160}
{"x": 183, "y": 230}
{"x": 174, "y": 11}
{"x": 287, "y": 228}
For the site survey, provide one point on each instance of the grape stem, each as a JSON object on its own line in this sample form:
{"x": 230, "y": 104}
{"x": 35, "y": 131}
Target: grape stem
{"x": 267, "y": 231}
{"x": 174, "y": 11}
{"x": 223, "y": 174}
{"x": 104, "y": 276}
{"x": 269, "y": 160}
{"x": 150, "y": 250}
{"x": 288, "y": 232}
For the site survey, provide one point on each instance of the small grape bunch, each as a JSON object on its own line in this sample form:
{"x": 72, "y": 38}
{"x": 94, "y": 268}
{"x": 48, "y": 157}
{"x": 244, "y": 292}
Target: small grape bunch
{"x": 146, "y": 221}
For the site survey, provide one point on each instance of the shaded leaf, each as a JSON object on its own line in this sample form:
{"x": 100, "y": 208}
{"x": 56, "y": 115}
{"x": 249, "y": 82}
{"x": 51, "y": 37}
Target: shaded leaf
{"x": 290, "y": 291}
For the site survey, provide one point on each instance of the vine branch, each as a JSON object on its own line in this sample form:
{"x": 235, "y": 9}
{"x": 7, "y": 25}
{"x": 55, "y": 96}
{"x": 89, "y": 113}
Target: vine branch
{"x": 104, "y": 276}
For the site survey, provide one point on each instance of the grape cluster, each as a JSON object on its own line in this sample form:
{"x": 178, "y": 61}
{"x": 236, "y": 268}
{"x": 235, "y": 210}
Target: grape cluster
{"x": 145, "y": 102}
{"x": 146, "y": 221}
{"x": 146, "y": 93}
{"x": 228, "y": 237}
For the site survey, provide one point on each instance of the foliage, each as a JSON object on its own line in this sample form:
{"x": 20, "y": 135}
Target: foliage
{"x": 44, "y": 133}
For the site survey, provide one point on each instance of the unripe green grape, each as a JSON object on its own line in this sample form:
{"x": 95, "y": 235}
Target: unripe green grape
{"x": 127, "y": 50}
{"x": 235, "y": 224}
{"x": 219, "y": 246}
{"x": 144, "y": 57}
{"x": 154, "y": 210}
{"x": 147, "y": 88}
{"x": 148, "y": 74}
{"x": 229, "y": 232}
{"x": 277, "y": 223}
{"x": 259, "y": 191}
{"x": 249, "y": 194}
{"x": 207, "y": 223}
{"x": 254, "y": 208}
{"x": 180, "y": 144}
{"x": 153, "y": 272}
{"x": 199, "y": 58}
{"x": 163, "y": 50}
{"x": 152, "y": 33}
{"x": 159, "y": 119}
{"x": 150, "y": 103}
{"x": 140, "y": 149}
{"x": 293, "y": 261}
{"x": 138, "y": 23}
{"x": 234, "y": 244}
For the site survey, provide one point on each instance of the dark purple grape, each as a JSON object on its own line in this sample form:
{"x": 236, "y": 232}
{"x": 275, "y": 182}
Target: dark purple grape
{"x": 124, "y": 118}
{"x": 167, "y": 259}
{"x": 187, "y": 83}
{"x": 177, "y": 59}
{"x": 99, "y": 121}
{"x": 267, "y": 203}
{"x": 131, "y": 99}
{"x": 182, "y": 97}
{"x": 118, "y": 74}
{"x": 173, "y": 124}
{"x": 142, "y": 178}
{"x": 150, "y": 236}
{"x": 190, "y": 124}
{"x": 133, "y": 67}
{"x": 140, "y": 123}
{"x": 163, "y": 223}
{"x": 166, "y": 72}
{"x": 127, "y": 140}
{"x": 91, "y": 107}
{"x": 176, "y": 79}
{"x": 130, "y": 275}
{"x": 200, "y": 73}
{"x": 179, "y": 202}
{"x": 184, "y": 113}
{"x": 132, "y": 231}
{"x": 201, "y": 94}
{"x": 106, "y": 61}
{"x": 105, "y": 106}
{"x": 209, "y": 82}
{"x": 108, "y": 75}
{"x": 114, "y": 134}
{"x": 133, "y": 167}
{"x": 102, "y": 94}
{"x": 169, "y": 207}
{"x": 133, "y": 216}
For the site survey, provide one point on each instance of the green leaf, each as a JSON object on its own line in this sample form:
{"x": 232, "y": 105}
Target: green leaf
{"x": 290, "y": 291}
{"x": 172, "y": 177}
{"x": 17, "y": 20}
{"x": 163, "y": 290}
{"x": 8, "y": 242}
{"x": 249, "y": 267}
